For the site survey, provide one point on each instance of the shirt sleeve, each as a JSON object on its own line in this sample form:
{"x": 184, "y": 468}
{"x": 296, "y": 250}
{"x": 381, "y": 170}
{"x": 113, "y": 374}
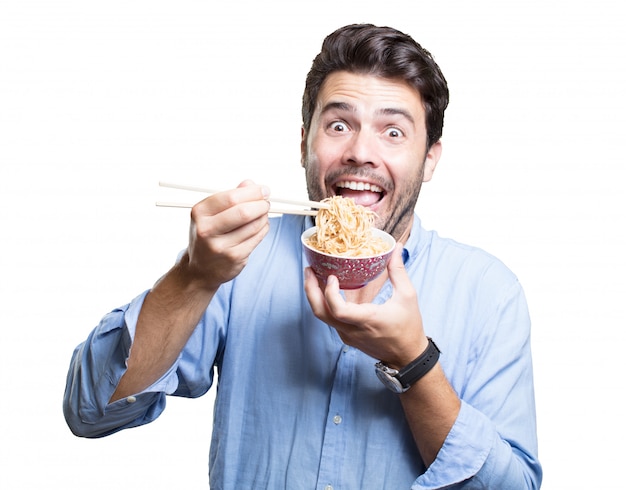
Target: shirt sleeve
{"x": 95, "y": 370}
{"x": 493, "y": 442}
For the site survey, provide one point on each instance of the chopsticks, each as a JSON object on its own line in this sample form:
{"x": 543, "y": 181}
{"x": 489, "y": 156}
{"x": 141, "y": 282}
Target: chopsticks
{"x": 303, "y": 203}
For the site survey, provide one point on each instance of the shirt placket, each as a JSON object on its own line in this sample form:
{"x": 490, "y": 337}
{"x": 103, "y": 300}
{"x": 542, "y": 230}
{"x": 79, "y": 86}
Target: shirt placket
{"x": 334, "y": 450}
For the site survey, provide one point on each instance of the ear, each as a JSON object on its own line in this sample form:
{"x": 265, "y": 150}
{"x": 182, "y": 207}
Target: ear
{"x": 302, "y": 146}
{"x": 432, "y": 158}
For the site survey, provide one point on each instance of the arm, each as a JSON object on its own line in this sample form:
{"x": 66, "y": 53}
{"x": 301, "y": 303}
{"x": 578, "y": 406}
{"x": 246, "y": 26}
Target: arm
{"x": 224, "y": 230}
{"x": 394, "y": 333}
{"x": 483, "y": 441}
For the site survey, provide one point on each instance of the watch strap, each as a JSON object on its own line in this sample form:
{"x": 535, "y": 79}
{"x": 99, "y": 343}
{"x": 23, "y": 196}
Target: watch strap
{"x": 414, "y": 371}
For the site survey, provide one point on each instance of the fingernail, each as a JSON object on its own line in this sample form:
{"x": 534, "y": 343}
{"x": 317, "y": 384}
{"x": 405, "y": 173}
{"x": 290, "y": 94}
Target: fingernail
{"x": 266, "y": 191}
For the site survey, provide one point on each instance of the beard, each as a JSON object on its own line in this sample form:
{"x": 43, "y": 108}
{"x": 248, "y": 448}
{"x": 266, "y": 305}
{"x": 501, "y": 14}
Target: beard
{"x": 399, "y": 212}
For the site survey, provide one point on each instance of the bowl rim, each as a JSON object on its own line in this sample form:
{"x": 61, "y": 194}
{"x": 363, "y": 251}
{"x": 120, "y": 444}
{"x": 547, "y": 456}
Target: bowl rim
{"x": 377, "y": 231}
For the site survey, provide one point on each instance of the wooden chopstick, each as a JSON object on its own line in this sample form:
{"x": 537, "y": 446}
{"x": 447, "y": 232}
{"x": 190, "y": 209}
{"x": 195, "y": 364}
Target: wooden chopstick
{"x": 295, "y": 202}
{"x": 303, "y": 212}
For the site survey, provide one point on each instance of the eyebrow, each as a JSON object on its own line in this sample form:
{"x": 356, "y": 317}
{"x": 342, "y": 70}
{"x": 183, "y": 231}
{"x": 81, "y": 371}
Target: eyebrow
{"x": 388, "y": 111}
{"x": 392, "y": 111}
{"x": 342, "y": 106}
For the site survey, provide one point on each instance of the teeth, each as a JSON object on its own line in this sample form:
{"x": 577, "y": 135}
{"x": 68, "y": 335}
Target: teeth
{"x": 359, "y": 186}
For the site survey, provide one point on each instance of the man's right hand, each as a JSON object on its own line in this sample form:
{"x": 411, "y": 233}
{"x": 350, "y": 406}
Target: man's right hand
{"x": 225, "y": 228}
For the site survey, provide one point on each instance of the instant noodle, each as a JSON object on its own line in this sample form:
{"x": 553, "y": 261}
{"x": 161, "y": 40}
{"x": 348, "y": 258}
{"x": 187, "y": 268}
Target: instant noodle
{"x": 345, "y": 229}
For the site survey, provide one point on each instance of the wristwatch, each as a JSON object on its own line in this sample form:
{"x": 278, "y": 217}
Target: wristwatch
{"x": 401, "y": 380}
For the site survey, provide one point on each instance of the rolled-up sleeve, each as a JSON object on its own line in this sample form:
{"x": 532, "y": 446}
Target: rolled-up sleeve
{"x": 474, "y": 456}
{"x": 493, "y": 442}
{"x": 95, "y": 370}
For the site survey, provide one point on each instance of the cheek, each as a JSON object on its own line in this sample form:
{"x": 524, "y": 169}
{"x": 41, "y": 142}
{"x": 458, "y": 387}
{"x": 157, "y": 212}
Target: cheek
{"x": 412, "y": 167}
{"x": 312, "y": 167}
{"x": 402, "y": 170}
{"x": 322, "y": 154}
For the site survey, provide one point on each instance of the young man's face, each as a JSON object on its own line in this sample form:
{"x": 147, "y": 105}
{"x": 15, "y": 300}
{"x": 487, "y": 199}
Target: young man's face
{"x": 368, "y": 141}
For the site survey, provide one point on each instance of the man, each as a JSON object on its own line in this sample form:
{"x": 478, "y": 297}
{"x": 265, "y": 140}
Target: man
{"x": 300, "y": 403}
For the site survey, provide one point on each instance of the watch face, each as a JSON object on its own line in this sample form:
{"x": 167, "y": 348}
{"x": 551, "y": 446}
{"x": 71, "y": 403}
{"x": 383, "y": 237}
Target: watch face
{"x": 388, "y": 380}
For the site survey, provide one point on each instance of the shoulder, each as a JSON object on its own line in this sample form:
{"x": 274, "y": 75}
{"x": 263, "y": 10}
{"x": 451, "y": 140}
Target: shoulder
{"x": 448, "y": 260}
{"x": 467, "y": 256}
{"x": 468, "y": 290}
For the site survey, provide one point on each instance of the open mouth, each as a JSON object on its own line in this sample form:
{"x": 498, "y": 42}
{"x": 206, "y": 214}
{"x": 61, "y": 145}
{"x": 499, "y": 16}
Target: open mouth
{"x": 363, "y": 193}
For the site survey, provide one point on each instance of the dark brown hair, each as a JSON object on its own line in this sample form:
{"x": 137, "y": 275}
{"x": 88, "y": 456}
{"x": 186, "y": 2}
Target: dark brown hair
{"x": 383, "y": 52}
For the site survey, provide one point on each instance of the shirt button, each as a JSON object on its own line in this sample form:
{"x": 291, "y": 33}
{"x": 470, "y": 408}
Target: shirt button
{"x": 346, "y": 349}
{"x": 328, "y": 487}
{"x": 337, "y": 419}
{"x": 131, "y": 399}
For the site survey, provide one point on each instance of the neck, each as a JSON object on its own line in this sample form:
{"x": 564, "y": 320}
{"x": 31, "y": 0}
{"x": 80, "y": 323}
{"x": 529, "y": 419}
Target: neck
{"x": 407, "y": 231}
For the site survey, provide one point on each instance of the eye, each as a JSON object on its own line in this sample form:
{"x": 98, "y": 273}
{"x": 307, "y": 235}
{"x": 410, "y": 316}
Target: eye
{"x": 394, "y": 133}
{"x": 338, "y": 126}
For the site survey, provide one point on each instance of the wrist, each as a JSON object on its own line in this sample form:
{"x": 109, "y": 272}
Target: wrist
{"x": 400, "y": 380}
{"x": 193, "y": 278}
{"x": 418, "y": 348}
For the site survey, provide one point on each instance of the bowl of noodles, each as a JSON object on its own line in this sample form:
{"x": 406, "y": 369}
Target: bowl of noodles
{"x": 345, "y": 244}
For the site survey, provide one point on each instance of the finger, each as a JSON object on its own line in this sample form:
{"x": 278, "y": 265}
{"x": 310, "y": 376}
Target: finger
{"x": 332, "y": 294}
{"x": 397, "y": 273}
{"x": 318, "y": 293}
{"x": 227, "y": 211}
{"x": 247, "y": 203}
{"x": 246, "y": 191}
{"x": 245, "y": 183}
{"x": 339, "y": 308}
{"x": 314, "y": 294}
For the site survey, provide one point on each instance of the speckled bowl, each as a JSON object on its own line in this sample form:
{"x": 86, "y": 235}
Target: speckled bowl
{"x": 352, "y": 272}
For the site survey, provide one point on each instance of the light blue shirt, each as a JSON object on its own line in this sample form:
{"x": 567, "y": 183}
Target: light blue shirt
{"x": 297, "y": 409}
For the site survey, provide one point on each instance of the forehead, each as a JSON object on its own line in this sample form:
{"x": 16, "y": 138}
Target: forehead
{"x": 369, "y": 93}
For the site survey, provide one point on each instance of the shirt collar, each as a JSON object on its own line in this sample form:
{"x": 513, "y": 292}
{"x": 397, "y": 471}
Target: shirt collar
{"x": 413, "y": 244}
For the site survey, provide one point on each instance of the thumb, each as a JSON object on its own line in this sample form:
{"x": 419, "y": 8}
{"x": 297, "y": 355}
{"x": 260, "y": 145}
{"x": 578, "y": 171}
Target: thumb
{"x": 397, "y": 273}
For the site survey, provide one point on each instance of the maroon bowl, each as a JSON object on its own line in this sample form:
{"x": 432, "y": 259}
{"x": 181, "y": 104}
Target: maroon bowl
{"x": 352, "y": 272}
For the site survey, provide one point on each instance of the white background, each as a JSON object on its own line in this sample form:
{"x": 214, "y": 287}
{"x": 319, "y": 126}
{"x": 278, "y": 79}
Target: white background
{"x": 101, "y": 100}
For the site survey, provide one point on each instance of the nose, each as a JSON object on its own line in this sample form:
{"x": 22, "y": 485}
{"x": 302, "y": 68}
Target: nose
{"x": 360, "y": 150}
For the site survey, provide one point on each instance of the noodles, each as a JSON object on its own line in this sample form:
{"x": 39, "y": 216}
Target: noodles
{"x": 345, "y": 230}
